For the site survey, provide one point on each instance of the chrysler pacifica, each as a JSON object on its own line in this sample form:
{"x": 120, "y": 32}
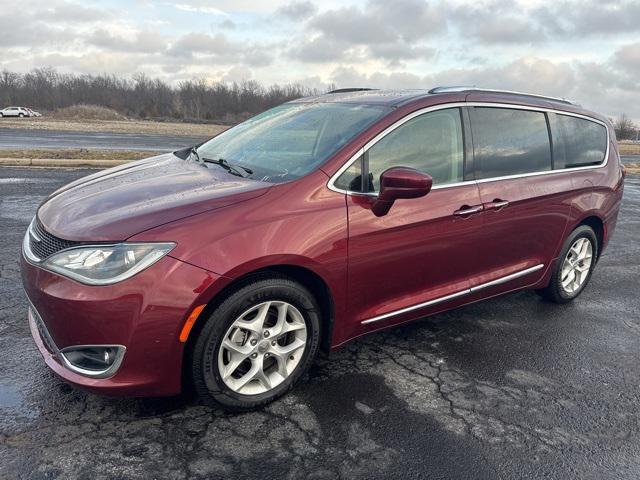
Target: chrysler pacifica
{"x": 228, "y": 266}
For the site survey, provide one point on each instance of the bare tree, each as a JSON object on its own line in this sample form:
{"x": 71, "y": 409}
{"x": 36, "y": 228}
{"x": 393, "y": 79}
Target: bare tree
{"x": 625, "y": 128}
{"x": 145, "y": 97}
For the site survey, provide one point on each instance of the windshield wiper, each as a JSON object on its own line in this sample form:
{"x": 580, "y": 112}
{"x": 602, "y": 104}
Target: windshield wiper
{"x": 230, "y": 167}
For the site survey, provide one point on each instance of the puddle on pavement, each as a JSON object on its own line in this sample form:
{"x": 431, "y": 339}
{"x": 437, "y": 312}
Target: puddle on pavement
{"x": 9, "y": 397}
{"x": 12, "y": 403}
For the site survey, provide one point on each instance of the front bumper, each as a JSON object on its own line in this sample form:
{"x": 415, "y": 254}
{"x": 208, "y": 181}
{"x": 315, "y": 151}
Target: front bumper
{"x": 144, "y": 314}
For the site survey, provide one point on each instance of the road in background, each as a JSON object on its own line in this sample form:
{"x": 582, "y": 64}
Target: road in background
{"x": 512, "y": 387}
{"x": 14, "y": 139}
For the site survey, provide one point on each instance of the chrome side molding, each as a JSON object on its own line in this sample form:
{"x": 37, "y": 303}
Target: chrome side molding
{"x": 461, "y": 293}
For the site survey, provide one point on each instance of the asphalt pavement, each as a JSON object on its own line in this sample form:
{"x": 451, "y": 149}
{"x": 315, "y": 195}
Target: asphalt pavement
{"x": 13, "y": 138}
{"x": 512, "y": 387}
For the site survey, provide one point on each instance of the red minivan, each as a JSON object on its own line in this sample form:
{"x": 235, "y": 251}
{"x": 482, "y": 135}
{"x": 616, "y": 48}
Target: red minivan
{"x": 228, "y": 266}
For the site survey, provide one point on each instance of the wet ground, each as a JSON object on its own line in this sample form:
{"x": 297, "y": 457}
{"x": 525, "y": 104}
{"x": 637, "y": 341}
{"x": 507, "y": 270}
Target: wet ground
{"x": 509, "y": 388}
{"x": 14, "y": 139}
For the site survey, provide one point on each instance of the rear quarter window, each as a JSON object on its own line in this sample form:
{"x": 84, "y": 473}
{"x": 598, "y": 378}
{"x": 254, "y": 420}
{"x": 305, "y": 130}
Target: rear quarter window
{"x": 578, "y": 142}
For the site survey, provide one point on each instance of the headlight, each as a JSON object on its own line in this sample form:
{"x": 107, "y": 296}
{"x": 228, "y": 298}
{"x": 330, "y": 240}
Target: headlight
{"x": 106, "y": 264}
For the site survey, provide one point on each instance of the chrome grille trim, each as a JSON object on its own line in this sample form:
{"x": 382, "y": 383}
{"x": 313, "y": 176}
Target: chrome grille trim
{"x": 43, "y": 244}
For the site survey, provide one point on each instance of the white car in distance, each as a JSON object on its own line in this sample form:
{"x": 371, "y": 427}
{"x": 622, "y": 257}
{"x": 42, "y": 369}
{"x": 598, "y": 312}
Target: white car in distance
{"x": 15, "y": 112}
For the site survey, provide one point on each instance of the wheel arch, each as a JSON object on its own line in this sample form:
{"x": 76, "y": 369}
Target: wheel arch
{"x": 303, "y": 275}
{"x": 597, "y": 225}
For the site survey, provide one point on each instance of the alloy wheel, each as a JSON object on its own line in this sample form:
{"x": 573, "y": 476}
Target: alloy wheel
{"x": 262, "y": 347}
{"x": 576, "y": 265}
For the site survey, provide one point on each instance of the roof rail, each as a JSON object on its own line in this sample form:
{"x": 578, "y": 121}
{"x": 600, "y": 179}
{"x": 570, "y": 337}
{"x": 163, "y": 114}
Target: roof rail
{"x": 355, "y": 89}
{"x": 472, "y": 88}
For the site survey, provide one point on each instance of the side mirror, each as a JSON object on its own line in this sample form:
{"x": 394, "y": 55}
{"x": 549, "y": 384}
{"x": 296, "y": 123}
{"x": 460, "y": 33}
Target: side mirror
{"x": 400, "y": 182}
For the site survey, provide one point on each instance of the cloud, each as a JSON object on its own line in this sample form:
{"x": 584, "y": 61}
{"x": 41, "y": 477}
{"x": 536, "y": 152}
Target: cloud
{"x": 496, "y": 23}
{"x": 237, "y": 74}
{"x": 203, "y": 43}
{"x": 199, "y": 9}
{"x": 218, "y": 48}
{"x": 96, "y": 62}
{"x": 585, "y": 49}
{"x": 589, "y": 17}
{"x": 319, "y": 50}
{"x": 140, "y": 42}
{"x": 71, "y": 12}
{"x": 627, "y": 58}
{"x": 297, "y": 10}
{"x": 499, "y": 22}
{"x": 391, "y": 31}
{"x": 29, "y": 24}
{"x": 227, "y": 24}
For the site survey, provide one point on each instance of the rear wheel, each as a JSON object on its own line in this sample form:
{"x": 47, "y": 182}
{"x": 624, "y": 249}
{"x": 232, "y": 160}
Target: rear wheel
{"x": 21, "y": 115}
{"x": 256, "y": 344}
{"x": 574, "y": 267}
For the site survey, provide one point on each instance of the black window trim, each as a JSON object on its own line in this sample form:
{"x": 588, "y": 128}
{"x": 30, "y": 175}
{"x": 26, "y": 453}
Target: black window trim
{"x": 361, "y": 151}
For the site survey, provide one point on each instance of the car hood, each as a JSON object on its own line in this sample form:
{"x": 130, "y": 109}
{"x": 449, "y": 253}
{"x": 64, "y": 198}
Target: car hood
{"x": 114, "y": 204}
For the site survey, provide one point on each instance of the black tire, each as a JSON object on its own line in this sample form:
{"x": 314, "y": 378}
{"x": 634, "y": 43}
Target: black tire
{"x": 554, "y": 292}
{"x": 205, "y": 375}
{"x": 21, "y": 115}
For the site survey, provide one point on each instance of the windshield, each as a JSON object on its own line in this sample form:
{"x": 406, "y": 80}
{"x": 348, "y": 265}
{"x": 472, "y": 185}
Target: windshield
{"x": 291, "y": 140}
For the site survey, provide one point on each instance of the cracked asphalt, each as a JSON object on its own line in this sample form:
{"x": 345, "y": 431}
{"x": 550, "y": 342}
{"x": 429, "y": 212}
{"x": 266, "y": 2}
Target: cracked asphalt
{"x": 511, "y": 387}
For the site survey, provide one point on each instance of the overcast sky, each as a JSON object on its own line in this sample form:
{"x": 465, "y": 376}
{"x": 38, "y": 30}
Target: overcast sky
{"x": 588, "y": 50}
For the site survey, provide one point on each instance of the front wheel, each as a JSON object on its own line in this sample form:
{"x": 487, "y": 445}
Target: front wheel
{"x": 256, "y": 344}
{"x": 21, "y": 115}
{"x": 574, "y": 267}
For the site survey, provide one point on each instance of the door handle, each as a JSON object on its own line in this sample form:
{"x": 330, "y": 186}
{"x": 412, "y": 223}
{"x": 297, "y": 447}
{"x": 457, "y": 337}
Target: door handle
{"x": 497, "y": 204}
{"x": 467, "y": 210}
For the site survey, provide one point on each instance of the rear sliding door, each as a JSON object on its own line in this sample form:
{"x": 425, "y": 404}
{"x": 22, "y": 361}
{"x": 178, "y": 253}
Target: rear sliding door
{"x": 526, "y": 207}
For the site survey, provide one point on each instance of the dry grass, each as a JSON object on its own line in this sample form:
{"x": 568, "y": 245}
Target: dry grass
{"x": 86, "y": 112}
{"x": 632, "y": 167}
{"x": 114, "y": 126}
{"x": 77, "y": 154}
{"x": 629, "y": 148}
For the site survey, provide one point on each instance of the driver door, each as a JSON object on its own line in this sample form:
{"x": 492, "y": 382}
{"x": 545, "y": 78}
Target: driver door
{"x": 418, "y": 257}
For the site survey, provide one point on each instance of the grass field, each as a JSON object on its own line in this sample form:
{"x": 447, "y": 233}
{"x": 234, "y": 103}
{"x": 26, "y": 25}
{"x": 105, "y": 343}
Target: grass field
{"x": 629, "y": 148}
{"x": 77, "y": 154}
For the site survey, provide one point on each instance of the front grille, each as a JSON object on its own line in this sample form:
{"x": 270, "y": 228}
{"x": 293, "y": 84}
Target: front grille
{"x": 48, "y": 244}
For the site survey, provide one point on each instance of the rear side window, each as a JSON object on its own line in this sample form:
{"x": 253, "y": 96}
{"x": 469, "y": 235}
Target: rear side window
{"x": 509, "y": 142}
{"x": 577, "y": 142}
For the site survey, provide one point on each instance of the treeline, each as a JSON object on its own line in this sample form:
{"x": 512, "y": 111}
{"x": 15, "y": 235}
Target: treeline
{"x": 144, "y": 97}
{"x": 625, "y": 128}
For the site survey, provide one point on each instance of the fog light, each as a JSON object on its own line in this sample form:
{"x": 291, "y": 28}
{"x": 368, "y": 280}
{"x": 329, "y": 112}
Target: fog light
{"x": 93, "y": 360}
